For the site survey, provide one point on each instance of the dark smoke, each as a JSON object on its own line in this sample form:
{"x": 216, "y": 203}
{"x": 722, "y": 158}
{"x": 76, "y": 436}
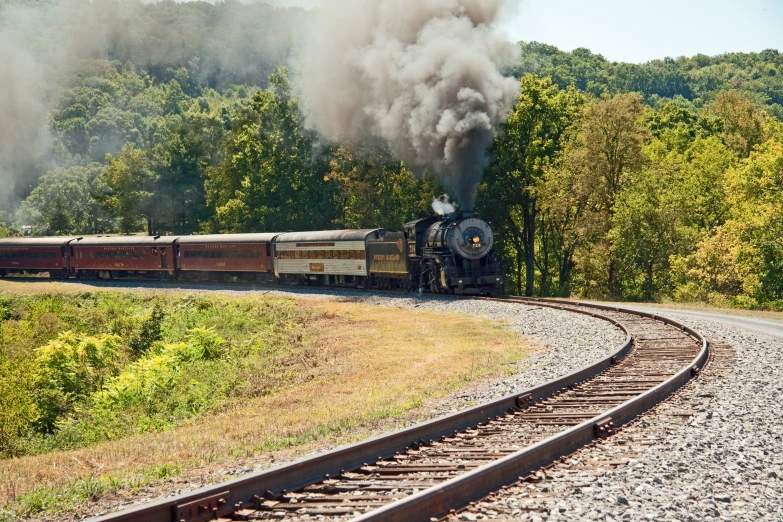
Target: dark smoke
{"x": 423, "y": 74}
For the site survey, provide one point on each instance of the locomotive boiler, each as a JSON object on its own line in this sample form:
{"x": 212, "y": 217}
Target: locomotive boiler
{"x": 453, "y": 254}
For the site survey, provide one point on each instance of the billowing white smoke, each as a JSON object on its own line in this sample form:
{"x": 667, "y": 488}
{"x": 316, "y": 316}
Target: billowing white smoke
{"x": 423, "y": 74}
{"x": 442, "y": 205}
{"x": 24, "y": 133}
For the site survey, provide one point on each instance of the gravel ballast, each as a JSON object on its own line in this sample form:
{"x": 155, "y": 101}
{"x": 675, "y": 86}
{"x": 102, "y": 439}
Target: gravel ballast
{"x": 725, "y": 462}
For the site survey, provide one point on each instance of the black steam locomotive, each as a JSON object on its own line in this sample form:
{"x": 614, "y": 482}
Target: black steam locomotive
{"x": 453, "y": 254}
{"x": 449, "y": 254}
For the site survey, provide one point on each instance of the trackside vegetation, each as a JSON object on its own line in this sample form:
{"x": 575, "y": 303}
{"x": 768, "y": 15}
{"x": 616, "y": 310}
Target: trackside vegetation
{"x": 81, "y": 369}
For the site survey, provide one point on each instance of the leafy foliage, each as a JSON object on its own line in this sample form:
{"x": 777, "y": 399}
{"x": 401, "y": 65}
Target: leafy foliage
{"x": 120, "y": 369}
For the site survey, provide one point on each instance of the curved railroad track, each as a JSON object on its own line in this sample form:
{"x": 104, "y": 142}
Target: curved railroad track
{"x": 428, "y": 470}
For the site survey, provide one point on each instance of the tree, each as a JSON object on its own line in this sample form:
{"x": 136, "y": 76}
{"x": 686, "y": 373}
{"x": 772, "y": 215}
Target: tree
{"x": 272, "y": 178}
{"x": 129, "y": 189}
{"x": 742, "y": 124}
{"x": 605, "y": 151}
{"x": 374, "y": 189}
{"x": 528, "y": 143}
{"x": 187, "y": 149}
{"x": 66, "y": 200}
{"x": 645, "y": 233}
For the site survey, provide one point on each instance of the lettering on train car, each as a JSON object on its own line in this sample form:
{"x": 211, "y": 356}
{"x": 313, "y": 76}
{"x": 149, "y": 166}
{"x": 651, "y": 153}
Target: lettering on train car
{"x": 316, "y": 267}
{"x": 381, "y": 257}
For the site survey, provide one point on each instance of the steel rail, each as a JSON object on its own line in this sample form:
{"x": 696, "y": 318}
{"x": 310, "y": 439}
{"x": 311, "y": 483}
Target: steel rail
{"x": 226, "y": 498}
{"x": 438, "y": 501}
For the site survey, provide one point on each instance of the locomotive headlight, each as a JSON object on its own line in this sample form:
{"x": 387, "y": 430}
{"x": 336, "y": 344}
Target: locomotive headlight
{"x": 476, "y": 239}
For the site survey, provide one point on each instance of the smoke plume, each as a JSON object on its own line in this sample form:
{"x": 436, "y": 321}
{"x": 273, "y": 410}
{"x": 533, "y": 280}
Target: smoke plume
{"x": 423, "y": 74}
{"x": 43, "y": 45}
{"x": 24, "y": 134}
{"x": 442, "y": 205}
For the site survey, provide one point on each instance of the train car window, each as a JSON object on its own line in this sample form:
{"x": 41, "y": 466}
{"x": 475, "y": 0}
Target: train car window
{"x": 218, "y": 255}
{"x": 81, "y": 255}
{"x": 116, "y": 254}
{"x": 91, "y": 254}
{"x": 142, "y": 254}
{"x": 362, "y": 254}
{"x": 52, "y": 255}
{"x": 134, "y": 254}
{"x": 98, "y": 255}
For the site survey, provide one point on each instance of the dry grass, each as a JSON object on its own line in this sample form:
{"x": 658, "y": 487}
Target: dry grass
{"x": 368, "y": 365}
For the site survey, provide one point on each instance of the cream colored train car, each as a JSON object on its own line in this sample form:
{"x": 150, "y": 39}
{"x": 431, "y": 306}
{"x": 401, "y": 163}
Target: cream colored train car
{"x": 327, "y": 257}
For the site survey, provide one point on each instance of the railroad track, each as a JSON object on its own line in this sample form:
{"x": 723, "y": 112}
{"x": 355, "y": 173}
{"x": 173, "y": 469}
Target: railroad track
{"x": 429, "y": 470}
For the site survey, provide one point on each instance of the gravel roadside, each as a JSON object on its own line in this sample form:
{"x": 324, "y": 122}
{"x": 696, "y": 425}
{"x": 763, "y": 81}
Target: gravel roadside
{"x": 725, "y": 462}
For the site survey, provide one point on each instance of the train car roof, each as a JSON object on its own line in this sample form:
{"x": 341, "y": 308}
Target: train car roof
{"x": 226, "y": 238}
{"x": 35, "y": 241}
{"x": 125, "y": 241}
{"x": 325, "y": 235}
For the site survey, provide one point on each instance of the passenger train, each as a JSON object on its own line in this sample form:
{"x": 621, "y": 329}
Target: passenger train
{"x": 449, "y": 254}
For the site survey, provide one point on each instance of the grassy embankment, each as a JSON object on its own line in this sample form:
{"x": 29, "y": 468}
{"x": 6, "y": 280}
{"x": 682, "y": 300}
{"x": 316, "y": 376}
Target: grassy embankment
{"x": 106, "y": 394}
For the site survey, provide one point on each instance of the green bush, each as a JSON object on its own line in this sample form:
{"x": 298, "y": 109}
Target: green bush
{"x": 130, "y": 363}
{"x": 151, "y": 332}
{"x": 69, "y": 369}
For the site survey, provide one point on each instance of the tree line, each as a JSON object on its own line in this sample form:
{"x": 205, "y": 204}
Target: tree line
{"x": 639, "y": 182}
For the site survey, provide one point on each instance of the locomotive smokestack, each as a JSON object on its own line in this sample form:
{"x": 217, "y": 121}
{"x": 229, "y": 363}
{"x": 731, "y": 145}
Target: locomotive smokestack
{"x": 425, "y": 75}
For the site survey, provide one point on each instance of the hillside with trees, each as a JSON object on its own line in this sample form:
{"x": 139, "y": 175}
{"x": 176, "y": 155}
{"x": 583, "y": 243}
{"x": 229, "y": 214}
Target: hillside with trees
{"x": 648, "y": 181}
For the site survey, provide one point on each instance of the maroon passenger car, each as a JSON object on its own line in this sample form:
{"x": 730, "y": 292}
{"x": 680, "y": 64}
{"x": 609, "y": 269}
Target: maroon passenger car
{"x": 246, "y": 257}
{"x": 123, "y": 256}
{"x": 34, "y": 255}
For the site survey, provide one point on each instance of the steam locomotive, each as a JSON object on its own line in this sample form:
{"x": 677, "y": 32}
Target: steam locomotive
{"x": 449, "y": 254}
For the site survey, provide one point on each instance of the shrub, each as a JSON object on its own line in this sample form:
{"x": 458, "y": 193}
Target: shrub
{"x": 150, "y": 333}
{"x": 69, "y": 369}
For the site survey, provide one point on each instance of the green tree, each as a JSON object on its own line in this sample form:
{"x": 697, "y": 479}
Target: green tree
{"x": 645, "y": 232}
{"x": 272, "y": 178}
{"x": 742, "y": 124}
{"x": 129, "y": 181}
{"x": 527, "y": 144}
{"x": 603, "y": 154}
{"x": 65, "y": 199}
{"x": 376, "y": 190}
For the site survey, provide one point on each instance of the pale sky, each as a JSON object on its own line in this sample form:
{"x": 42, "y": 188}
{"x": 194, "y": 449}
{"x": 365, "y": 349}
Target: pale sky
{"x": 642, "y": 30}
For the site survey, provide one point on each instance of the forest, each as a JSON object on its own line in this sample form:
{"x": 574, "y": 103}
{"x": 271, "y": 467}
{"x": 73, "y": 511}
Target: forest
{"x": 655, "y": 181}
